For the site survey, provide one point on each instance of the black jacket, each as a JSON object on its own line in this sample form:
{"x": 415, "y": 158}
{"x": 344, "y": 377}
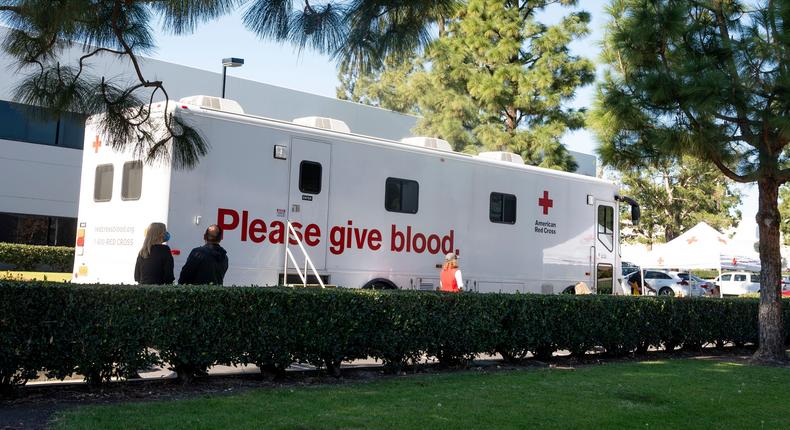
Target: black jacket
{"x": 205, "y": 265}
{"x": 157, "y": 269}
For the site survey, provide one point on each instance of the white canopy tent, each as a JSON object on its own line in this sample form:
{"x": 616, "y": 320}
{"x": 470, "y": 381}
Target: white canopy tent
{"x": 701, "y": 247}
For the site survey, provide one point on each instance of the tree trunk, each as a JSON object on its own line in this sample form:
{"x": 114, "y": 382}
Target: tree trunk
{"x": 771, "y": 349}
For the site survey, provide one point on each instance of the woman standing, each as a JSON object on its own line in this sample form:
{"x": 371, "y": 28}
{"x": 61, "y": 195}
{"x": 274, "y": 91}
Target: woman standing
{"x": 154, "y": 261}
{"x": 450, "y": 279}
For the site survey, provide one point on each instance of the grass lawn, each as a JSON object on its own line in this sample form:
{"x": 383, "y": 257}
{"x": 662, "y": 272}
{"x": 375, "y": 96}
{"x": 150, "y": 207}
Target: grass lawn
{"x": 34, "y": 276}
{"x": 685, "y": 394}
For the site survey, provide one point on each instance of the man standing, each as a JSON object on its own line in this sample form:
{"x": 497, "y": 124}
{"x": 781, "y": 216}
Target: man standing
{"x": 206, "y": 264}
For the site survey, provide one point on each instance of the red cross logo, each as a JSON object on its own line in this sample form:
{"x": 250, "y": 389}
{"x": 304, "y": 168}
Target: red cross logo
{"x": 545, "y": 202}
{"x": 96, "y": 144}
{"x": 691, "y": 240}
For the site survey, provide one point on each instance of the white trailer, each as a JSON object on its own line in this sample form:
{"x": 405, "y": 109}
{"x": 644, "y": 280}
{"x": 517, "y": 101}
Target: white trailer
{"x": 370, "y": 212}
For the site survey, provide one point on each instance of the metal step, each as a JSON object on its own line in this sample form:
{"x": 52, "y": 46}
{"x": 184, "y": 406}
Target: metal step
{"x": 310, "y": 286}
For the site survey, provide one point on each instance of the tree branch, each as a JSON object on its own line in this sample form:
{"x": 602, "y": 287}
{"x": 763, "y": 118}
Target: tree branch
{"x": 744, "y": 179}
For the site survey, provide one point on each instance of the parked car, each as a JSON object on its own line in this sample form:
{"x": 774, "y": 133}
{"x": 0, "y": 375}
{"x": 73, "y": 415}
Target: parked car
{"x": 665, "y": 283}
{"x": 700, "y": 287}
{"x": 737, "y": 283}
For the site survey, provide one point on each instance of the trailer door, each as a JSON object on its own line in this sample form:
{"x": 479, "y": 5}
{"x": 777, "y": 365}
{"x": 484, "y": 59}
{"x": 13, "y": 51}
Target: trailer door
{"x": 605, "y": 246}
{"x": 308, "y": 202}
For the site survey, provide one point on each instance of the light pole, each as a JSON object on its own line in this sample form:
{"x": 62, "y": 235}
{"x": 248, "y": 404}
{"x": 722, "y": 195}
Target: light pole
{"x": 229, "y": 62}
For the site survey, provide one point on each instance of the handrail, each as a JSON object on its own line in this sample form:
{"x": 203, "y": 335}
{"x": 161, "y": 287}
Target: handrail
{"x": 307, "y": 261}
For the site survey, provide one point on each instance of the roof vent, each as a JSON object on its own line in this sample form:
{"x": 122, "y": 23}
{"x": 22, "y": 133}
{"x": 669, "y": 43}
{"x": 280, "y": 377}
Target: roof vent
{"x": 325, "y": 123}
{"x": 215, "y": 103}
{"x": 507, "y": 157}
{"x": 428, "y": 142}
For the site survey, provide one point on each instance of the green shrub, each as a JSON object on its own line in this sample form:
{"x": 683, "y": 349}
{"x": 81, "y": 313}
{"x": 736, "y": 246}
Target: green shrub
{"x": 32, "y": 257}
{"x": 102, "y": 332}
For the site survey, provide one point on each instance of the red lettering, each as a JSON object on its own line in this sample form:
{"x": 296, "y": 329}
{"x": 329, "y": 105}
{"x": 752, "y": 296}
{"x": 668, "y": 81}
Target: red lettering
{"x": 298, "y": 230}
{"x": 226, "y": 226}
{"x": 336, "y": 239}
{"x": 418, "y": 248}
{"x": 397, "y": 240}
{"x": 244, "y": 215}
{"x": 360, "y": 236}
{"x": 408, "y": 238}
{"x": 277, "y": 235}
{"x": 374, "y": 240}
{"x": 312, "y": 235}
{"x": 447, "y": 243}
{"x": 257, "y": 230}
{"x": 434, "y": 243}
{"x": 348, "y": 235}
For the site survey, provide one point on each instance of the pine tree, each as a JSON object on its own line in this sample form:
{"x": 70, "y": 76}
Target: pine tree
{"x": 496, "y": 79}
{"x": 706, "y": 79}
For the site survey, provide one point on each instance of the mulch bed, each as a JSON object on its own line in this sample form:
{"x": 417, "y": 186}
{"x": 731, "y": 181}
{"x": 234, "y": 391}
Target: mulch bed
{"x": 35, "y": 406}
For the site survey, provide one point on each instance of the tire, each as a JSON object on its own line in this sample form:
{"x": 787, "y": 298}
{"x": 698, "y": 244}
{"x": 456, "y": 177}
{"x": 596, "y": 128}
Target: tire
{"x": 379, "y": 284}
{"x": 666, "y": 291}
{"x": 569, "y": 290}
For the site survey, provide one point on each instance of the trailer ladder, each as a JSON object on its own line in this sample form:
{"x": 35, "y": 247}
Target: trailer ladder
{"x": 308, "y": 263}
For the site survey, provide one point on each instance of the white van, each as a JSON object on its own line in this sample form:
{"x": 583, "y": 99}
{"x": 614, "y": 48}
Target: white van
{"x": 737, "y": 283}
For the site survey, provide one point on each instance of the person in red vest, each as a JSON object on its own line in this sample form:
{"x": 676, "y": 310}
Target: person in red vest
{"x": 450, "y": 279}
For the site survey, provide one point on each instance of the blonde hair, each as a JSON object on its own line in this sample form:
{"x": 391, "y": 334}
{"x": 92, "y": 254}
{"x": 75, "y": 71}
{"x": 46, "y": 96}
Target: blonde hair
{"x": 452, "y": 264}
{"x": 154, "y": 235}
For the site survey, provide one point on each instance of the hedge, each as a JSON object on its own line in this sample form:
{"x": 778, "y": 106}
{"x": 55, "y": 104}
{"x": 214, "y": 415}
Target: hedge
{"x": 102, "y": 332}
{"x": 33, "y": 257}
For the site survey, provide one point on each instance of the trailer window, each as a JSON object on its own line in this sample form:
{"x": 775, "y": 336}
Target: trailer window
{"x": 606, "y": 226}
{"x": 310, "y": 177}
{"x": 102, "y": 185}
{"x": 502, "y": 208}
{"x": 132, "y": 180}
{"x": 401, "y": 195}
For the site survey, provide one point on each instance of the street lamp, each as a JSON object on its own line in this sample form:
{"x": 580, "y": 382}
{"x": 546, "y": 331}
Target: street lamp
{"x": 229, "y": 62}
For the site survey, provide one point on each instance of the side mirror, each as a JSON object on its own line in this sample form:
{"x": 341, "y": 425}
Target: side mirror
{"x": 636, "y": 211}
{"x": 636, "y": 214}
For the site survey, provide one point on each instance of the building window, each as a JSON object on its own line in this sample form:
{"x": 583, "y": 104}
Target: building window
{"x": 606, "y": 226}
{"x": 502, "y": 208}
{"x": 310, "y": 177}
{"x": 33, "y": 124}
{"x": 401, "y": 195}
{"x": 132, "y": 180}
{"x": 37, "y": 229}
{"x": 102, "y": 185}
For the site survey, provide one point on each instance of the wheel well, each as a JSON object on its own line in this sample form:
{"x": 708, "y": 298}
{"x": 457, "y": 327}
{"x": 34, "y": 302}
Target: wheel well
{"x": 571, "y": 289}
{"x": 380, "y": 284}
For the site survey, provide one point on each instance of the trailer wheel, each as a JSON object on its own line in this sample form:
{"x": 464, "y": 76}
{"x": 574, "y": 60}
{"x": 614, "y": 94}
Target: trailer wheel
{"x": 666, "y": 291}
{"x": 379, "y": 284}
{"x": 569, "y": 290}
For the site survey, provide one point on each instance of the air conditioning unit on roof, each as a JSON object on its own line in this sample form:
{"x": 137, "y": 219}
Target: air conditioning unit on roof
{"x": 212, "y": 102}
{"x": 322, "y": 122}
{"x": 428, "y": 142}
{"x": 507, "y": 157}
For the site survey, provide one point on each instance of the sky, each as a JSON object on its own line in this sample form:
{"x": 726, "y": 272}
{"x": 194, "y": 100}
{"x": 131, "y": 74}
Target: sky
{"x": 308, "y": 71}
